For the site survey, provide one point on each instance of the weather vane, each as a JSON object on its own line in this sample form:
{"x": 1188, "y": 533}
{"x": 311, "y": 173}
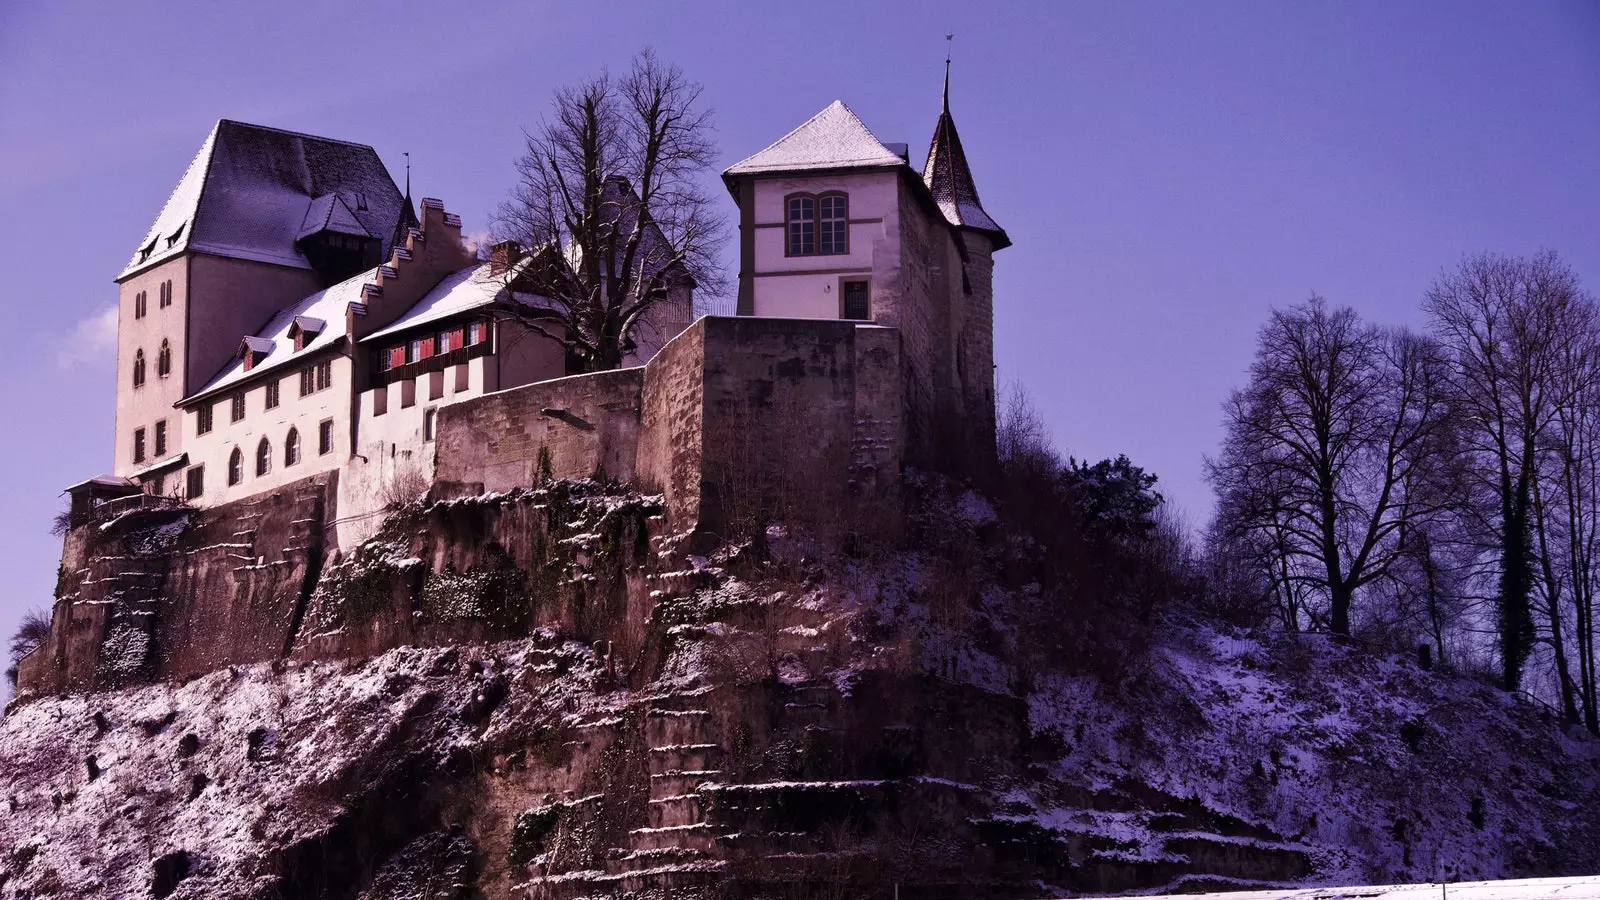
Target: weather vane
{"x": 949, "y": 41}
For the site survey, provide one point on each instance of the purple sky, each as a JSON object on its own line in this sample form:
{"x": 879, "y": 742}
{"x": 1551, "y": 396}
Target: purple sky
{"x": 1168, "y": 171}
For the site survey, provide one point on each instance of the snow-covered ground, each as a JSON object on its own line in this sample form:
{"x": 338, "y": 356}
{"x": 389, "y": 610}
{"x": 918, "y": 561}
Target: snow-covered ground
{"x": 1583, "y": 888}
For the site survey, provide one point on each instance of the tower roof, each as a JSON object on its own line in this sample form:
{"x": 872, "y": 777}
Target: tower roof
{"x": 252, "y": 190}
{"x": 949, "y": 178}
{"x": 835, "y": 138}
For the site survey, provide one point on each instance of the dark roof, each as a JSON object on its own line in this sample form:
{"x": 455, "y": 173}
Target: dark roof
{"x": 950, "y": 180}
{"x": 252, "y": 192}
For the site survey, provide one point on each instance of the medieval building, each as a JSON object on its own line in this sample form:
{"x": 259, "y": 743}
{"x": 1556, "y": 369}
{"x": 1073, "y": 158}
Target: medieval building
{"x": 292, "y": 313}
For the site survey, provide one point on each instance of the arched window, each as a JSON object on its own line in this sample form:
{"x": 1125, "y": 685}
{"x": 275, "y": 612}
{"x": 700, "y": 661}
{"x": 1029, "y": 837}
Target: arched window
{"x": 291, "y": 447}
{"x": 138, "y": 367}
{"x": 235, "y": 467}
{"x": 802, "y": 225}
{"x": 817, "y": 224}
{"x": 833, "y": 224}
{"x": 164, "y": 359}
{"x": 263, "y": 457}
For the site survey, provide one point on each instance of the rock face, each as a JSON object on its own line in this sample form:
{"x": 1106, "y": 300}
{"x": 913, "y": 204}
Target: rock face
{"x": 535, "y": 694}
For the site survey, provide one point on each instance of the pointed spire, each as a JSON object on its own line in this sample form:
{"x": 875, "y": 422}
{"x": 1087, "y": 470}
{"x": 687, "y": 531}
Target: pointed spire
{"x": 408, "y": 216}
{"x": 949, "y": 178}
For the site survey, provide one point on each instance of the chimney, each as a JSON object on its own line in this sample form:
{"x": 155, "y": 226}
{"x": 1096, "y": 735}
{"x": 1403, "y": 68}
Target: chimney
{"x": 503, "y": 256}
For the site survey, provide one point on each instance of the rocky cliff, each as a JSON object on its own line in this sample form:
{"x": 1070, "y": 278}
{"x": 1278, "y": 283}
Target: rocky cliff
{"x": 539, "y": 693}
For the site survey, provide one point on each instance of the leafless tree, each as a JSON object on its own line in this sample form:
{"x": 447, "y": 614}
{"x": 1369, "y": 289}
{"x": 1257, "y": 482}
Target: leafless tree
{"x": 31, "y": 632}
{"x": 610, "y": 205}
{"x": 1329, "y": 455}
{"x": 1508, "y": 324}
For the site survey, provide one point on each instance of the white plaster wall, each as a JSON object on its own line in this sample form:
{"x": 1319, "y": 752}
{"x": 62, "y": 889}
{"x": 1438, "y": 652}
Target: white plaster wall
{"x": 809, "y": 285}
{"x": 302, "y": 413}
{"x": 142, "y": 407}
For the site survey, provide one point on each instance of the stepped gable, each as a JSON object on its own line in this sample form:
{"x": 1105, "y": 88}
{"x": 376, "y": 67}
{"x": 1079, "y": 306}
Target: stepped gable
{"x": 356, "y": 306}
{"x": 835, "y": 138}
{"x": 253, "y": 191}
{"x": 949, "y": 178}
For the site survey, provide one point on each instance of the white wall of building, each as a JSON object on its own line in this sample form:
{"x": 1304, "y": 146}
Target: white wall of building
{"x": 808, "y": 286}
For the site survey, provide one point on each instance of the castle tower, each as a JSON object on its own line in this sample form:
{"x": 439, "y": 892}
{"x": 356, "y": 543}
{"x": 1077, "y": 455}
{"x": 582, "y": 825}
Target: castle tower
{"x": 262, "y": 217}
{"x": 949, "y": 180}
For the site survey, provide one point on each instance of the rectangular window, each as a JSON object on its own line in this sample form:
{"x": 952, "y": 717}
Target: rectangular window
{"x": 397, "y": 356}
{"x": 427, "y": 424}
{"x": 835, "y": 227}
{"x": 475, "y": 333}
{"x": 161, "y": 439}
{"x": 197, "y": 481}
{"x": 307, "y": 381}
{"x": 458, "y": 339}
{"x": 324, "y": 374}
{"x": 237, "y": 407}
{"x": 202, "y": 419}
{"x": 156, "y": 484}
{"x": 138, "y": 445}
{"x": 380, "y": 400}
{"x": 272, "y": 394}
{"x": 414, "y": 351}
{"x": 325, "y": 437}
{"x": 435, "y": 385}
{"x": 408, "y": 393}
{"x": 855, "y": 301}
{"x": 462, "y": 376}
{"x": 802, "y": 226}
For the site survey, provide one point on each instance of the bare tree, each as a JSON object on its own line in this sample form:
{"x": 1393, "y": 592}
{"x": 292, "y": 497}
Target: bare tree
{"x": 1507, "y": 323}
{"x": 610, "y": 204}
{"x": 31, "y": 632}
{"x": 1329, "y": 457}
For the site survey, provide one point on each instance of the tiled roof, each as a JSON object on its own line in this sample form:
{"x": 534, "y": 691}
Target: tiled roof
{"x": 461, "y": 291}
{"x": 835, "y": 138}
{"x": 950, "y": 180}
{"x": 251, "y": 191}
{"x": 274, "y": 341}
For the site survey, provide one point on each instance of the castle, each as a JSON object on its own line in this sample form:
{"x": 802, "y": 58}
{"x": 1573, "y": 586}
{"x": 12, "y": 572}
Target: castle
{"x": 292, "y": 313}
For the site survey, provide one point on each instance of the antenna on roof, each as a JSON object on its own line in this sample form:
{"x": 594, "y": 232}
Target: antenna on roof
{"x": 408, "y": 174}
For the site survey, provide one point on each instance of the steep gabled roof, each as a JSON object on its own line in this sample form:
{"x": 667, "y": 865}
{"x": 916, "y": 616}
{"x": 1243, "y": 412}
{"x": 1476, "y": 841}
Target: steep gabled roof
{"x": 251, "y": 190}
{"x": 835, "y": 138}
{"x": 950, "y": 180}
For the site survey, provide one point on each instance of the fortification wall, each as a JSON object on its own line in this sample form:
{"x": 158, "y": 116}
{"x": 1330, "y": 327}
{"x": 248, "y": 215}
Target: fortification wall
{"x": 586, "y": 424}
{"x": 172, "y": 593}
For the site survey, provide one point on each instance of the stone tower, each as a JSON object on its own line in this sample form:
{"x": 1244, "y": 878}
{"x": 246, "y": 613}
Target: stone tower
{"x": 949, "y": 180}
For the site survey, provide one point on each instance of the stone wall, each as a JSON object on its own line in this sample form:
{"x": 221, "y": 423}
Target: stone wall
{"x": 173, "y": 593}
{"x": 587, "y": 425}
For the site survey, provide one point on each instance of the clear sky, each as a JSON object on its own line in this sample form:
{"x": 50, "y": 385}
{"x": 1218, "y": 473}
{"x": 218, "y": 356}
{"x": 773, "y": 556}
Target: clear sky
{"x": 1168, "y": 171}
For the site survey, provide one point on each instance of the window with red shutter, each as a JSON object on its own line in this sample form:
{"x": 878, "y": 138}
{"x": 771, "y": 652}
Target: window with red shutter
{"x": 427, "y": 348}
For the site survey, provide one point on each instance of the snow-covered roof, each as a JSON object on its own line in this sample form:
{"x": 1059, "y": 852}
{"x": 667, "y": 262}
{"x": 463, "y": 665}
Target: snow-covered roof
{"x": 1571, "y": 888}
{"x": 949, "y": 178}
{"x": 256, "y": 344}
{"x": 252, "y": 191}
{"x": 461, "y": 291}
{"x": 835, "y": 138}
{"x": 274, "y": 341}
{"x": 104, "y": 481}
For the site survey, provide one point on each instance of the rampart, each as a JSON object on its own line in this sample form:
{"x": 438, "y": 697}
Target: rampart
{"x": 738, "y": 423}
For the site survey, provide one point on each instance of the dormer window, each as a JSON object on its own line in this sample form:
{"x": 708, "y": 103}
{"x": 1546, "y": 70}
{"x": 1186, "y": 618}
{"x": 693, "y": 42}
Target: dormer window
{"x": 304, "y": 330}
{"x": 817, "y": 224}
{"x": 147, "y": 249}
{"x": 172, "y": 239}
{"x": 253, "y": 350}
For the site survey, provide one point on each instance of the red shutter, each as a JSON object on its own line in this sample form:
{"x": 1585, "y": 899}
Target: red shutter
{"x": 397, "y": 357}
{"x": 458, "y": 339}
{"x": 427, "y": 348}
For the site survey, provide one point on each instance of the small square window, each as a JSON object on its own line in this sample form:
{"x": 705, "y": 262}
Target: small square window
{"x": 202, "y": 419}
{"x": 161, "y": 439}
{"x": 325, "y": 437}
{"x": 324, "y": 374}
{"x": 307, "y": 381}
{"x": 855, "y": 303}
